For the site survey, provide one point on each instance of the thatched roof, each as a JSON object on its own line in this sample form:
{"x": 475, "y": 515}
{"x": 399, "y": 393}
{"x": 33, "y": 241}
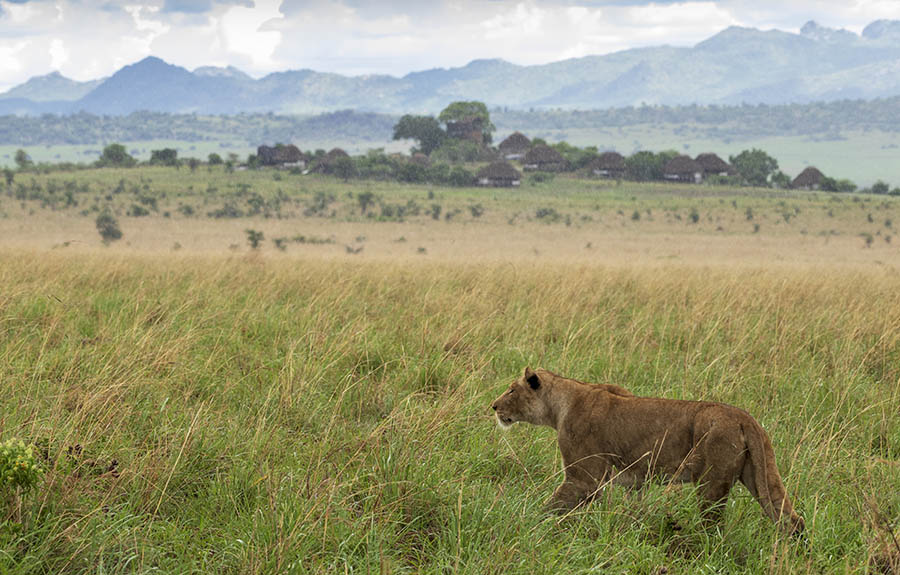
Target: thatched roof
{"x": 336, "y": 153}
{"x": 517, "y": 142}
{"x": 713, "y": 164}
{"x": 499, "y": 171}
{"x": 609, "y": 161}
{"x": 543, "y": 155}
{"x": 809, "y": 177}
{"x": 279, "y": 154}
{"x": 682, "y": 166}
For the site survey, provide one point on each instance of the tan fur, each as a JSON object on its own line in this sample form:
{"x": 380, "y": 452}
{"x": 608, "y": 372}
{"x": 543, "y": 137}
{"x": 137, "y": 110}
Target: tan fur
{"x": 607, "y": 434}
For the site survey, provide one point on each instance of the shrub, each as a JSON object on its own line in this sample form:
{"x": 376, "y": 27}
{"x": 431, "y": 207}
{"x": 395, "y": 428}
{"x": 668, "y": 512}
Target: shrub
{"x": 19, "y": 469}
{"x": 137, "y": 211}
{"x": 365, "y": 200}
{"x": 540, "y": 178}
{"x": 460, "y": 177}
{"x": 108, "y": 227}
{"x": 548, "y": 215}
{"x": 254, "y": 238}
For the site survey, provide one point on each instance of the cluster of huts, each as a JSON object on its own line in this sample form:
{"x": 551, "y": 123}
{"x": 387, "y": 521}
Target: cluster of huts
{"x": 682, "y": 168}
{"x": 290, "y": 156}
{"x": 517, "y": 147}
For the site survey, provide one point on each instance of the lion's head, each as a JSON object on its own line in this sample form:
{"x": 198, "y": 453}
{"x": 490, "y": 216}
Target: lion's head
{"x": 523, "y": 401}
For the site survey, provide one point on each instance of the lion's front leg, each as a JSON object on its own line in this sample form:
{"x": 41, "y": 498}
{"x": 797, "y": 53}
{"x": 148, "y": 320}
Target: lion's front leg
{"x": 567, "y": 497}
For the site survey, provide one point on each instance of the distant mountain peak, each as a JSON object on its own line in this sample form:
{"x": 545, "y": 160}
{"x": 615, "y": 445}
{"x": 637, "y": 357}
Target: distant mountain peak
{"x": 221, "y": 72}
{"x": 814, "y": 31}
{"x": 882, "y": 29}
{"x": 51, "y": 87}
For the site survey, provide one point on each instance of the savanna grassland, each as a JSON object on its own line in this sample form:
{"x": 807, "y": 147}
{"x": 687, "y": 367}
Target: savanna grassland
{"x": 309, "y": 406}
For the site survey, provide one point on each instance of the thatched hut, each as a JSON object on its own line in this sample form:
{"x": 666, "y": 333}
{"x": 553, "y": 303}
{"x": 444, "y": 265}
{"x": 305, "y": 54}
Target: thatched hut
{"x": 683, "y": 169}
{"x": 809, "y": 179}
{"x": 499, "y": 175}
{"x": 713, "y": 165}
{"x": 471, "y": 129}
{"x": 608, "y": 165}
{"x": 545, "y": 159}
{"x": 280, "y": 155}
{"x": 515, "y": 146}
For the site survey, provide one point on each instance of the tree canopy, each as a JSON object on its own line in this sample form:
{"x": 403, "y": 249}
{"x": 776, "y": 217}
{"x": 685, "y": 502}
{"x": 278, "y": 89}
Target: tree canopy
{"x": 425, "y": 130}
{"x": 115, "y": 155}
{"x": 471, "y": 111}
{"x": 755, "y": 166}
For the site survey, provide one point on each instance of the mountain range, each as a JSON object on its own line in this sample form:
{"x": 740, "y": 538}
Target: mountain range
{"x": 737, "y": 65}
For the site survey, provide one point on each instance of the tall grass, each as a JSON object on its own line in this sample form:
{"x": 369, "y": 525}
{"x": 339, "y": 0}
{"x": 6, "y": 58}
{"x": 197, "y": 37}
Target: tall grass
{"x": 246, "y": 415}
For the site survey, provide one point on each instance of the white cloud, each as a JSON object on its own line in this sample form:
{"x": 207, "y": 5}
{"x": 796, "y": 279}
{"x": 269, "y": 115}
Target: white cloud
{"x": 58, "y": 53}
{"x": 248, "y": 32}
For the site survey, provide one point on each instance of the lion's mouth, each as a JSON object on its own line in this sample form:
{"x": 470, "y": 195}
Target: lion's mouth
{"x": 504, "y": 420}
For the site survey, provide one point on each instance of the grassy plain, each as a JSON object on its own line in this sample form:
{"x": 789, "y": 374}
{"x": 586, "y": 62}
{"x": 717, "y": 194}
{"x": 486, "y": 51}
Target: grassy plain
{"x": 221, "y": 409}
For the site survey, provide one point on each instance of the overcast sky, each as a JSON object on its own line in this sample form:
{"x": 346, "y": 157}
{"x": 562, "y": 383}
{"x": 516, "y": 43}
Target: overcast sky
{"x": 87, "y": 39}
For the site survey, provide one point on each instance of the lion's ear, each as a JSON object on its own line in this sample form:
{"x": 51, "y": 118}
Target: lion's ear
{"x": 532, "y": 378}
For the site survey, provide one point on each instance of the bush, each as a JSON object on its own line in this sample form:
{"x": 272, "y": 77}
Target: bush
{"x": 254, "y": 238}
{"x": 137, "y": 211}
{"x": 19, "y": 468}
{"x": 108, "y": 227}
{"x": 460, "y": 177}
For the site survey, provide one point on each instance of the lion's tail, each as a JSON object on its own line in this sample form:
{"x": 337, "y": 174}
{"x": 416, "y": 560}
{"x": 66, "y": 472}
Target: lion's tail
{"x": 760, "y": 475}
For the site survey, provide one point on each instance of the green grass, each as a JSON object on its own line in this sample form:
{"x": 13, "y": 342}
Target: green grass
{"x": 270, "y": 415}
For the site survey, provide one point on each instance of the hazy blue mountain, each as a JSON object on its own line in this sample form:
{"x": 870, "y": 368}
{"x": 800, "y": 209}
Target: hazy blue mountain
{"x": 51, "y": 87}
{"x": 737, "y": 65}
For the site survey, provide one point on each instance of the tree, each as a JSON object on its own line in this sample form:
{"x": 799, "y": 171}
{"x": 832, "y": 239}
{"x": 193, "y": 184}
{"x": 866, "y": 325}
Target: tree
{"x": 473, "y": 112}
{"x": 880, "y": 187}
{"x": 193, "y": 164}
{"x": 108, "y": 227}
{"x": 164, "y": 157}
{"x": 645, "y": 166}
{"x": 425, "y": 130}
{"x": 214, "y": 159}
{"x": 755, "y": 166}
{"x": 781, "y": 180}
{"x": 23, "y": 160}
{"x": 9, "y": 175}
{"x": 343, "y": 167}
{"x": 115, "y": 155}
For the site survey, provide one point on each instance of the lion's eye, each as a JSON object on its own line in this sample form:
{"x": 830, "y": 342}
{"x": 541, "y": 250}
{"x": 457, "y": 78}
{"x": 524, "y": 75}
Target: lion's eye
{"x": 512, "y": 390}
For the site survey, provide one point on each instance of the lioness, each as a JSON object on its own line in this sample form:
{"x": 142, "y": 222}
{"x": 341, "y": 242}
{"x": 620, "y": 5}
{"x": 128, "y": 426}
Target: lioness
{"x": 607, "y": 434}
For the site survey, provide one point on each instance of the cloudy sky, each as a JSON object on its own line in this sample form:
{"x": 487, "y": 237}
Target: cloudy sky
{"x": 87, "y": 39}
